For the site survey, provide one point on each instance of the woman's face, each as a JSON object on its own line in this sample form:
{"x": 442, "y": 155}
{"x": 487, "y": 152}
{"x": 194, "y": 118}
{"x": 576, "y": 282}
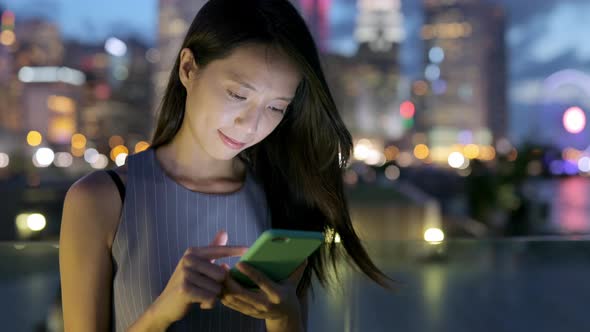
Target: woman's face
{"x": 235, "y": 102}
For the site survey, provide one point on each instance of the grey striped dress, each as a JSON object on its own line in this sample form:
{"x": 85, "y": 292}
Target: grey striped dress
{"x": 159, "y": 221}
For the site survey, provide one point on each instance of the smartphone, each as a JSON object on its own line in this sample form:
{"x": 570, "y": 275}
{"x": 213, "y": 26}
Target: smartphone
{"x": 277, "y": 253}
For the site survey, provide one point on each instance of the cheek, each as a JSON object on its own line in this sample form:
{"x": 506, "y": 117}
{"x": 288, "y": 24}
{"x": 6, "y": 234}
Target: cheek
{"x": 209, "y": 113}
{"x": 266, "y": 128}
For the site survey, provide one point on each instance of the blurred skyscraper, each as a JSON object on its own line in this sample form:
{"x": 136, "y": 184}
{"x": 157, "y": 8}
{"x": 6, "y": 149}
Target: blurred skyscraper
{"x": 47, "y": 94}
{"x": 10, "y": 118}
{"x": 53, "y": 88}
{"x": 317, "y": 17}
{"x": 118, "y": 90}
{"x": 366, "y": 86}
{"x": 464, "y": 91}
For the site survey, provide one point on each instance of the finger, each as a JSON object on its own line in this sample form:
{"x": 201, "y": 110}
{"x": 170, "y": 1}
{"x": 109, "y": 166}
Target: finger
{"x": 203, "y": 282}
{"x": 296, "y": 276}
{"x": 225, "y": 266}
{"x": 207, "y": 305}
{"x": 197, "y": 295}
{"x": 239, "y": 305}
{"x": 233, "y": 288}
{"x": 219, "y": 240}
{"x": 261, "y": 304}
{"x": 217, "y": 252}
{"x": 205, "y": 267}
{"x": 266, "y": 285}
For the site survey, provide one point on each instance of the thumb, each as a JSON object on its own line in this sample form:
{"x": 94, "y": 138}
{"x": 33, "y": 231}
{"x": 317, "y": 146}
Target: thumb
{"x": 219, "y": 240}
{"x": 295, "y": 277}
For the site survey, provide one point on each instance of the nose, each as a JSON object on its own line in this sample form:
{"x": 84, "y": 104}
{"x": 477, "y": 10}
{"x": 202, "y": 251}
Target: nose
{"x": 248, "y": 119}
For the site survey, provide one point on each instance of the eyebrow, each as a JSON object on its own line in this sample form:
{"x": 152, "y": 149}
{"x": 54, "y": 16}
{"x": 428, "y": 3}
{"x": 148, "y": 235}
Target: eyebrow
{"x": 240, "y": 80}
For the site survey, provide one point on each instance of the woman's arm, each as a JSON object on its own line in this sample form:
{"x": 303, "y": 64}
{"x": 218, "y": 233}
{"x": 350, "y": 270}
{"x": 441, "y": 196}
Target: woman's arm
{"x": 90, "y": 217}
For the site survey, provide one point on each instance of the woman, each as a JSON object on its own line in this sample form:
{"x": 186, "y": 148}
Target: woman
{"x": 248, "y": 138}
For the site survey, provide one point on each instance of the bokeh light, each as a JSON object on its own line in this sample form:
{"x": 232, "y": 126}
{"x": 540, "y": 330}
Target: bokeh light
{"x": 4, "y": 160}
{"x": 392, "y": 172}
{"x": 570, "y": 168}
{"x": 350, "y": 177}
{"x": 487, "y": 153}
{"x": 141, "y": 146}
{"x": 91, "y": 155}
{"x": 21, "y": 224}
{"x": 34, "y": 138}
{"x": 391, "y": 152}
{"x": 421, "y": 151}
{"x": 7, "y": 37}
{"x": 456, "y": 160}
{"x": 77, "y": 152}
{"x": 439, "y": 87}
{"x": 115, "y": 46}
{"x": 434, "y": 235}
{"x": 121, "y": 159}
{"x": 117, "y": 150}
{"x": 574, "y": 120}
{"x": 36, "y": 222}
{"x": 8, "y": 18}
{"x": 503, "y": 146}
{"x": 471, "y": 151}
{"x": 407, "y": 109}
{"x": 100, "y": 162}
{"x": 436, "y": 54}
{"x": 432, "y": 72}
{"x": 116, "y": 140}
{"x": 405, "y": 159}
{"x": 63, "y": 159}
{"x": 584, "y": 164}
{"x": 375, "y": 158}
{"x": 78, "y": 141}
{"x": 362, "y": 149}
{"x": 43, "y": 157}
{"x": 571, "y": 154}
{"x": 420, "y": 88}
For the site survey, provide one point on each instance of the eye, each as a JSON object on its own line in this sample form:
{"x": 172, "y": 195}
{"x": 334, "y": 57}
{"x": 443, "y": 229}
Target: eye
{"x": 235, "y": 96}
{"x": 278, "y": 110}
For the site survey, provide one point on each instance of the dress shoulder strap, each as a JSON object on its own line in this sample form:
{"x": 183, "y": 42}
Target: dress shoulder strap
{"x": 118, "y": 182}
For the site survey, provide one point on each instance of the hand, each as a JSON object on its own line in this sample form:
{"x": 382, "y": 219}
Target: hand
{"x": 273, "y": 301}
{"x": 196, "y": 279}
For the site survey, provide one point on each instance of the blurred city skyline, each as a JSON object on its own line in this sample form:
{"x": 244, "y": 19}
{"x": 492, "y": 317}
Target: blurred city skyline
{"x": 541, "y": 40}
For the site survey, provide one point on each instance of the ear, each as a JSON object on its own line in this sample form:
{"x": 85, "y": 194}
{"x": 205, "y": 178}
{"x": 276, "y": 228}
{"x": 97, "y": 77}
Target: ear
{"x": 188, "y": 67}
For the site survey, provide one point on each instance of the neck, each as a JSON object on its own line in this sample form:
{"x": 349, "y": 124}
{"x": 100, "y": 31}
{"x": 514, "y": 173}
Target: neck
{"x": 182, "y": 158}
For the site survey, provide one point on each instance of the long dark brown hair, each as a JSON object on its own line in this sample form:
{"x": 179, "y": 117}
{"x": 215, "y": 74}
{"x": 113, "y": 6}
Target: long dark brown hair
{"x": 301, "y": 163}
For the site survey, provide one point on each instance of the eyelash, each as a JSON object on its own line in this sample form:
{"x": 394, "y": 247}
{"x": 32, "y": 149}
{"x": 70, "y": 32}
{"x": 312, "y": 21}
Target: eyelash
{"x": 240, "y": 98}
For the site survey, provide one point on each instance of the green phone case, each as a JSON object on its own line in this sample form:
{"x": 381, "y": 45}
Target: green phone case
{"x": 277, "y": 253}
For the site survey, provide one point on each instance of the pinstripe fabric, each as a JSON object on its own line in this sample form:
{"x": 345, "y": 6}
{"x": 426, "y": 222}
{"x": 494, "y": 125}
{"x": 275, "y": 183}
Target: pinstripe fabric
{"x": 160, "y": 219}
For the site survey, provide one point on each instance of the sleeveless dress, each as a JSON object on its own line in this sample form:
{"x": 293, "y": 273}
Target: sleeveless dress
{"x": 160, "y": 219}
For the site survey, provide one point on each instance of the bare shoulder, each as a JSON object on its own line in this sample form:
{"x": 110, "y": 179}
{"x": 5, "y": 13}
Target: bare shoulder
{"x": 94, "y": 205}
{"x": 90, "y": 218}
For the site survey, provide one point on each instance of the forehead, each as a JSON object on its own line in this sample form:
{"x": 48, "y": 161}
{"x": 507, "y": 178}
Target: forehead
{"x": 260, "y": 65}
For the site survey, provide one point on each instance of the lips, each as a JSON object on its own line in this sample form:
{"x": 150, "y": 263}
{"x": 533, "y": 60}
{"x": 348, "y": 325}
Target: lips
{"x": 230, "y": 142}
